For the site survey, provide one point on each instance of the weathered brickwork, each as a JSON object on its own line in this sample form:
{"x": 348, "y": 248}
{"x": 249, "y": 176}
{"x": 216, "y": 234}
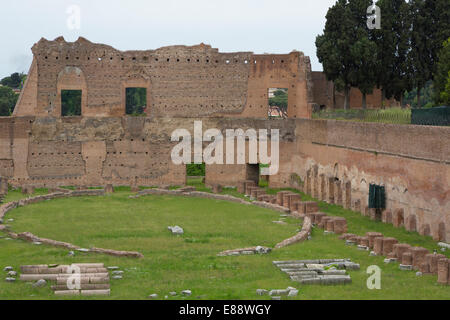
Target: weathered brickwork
{"x": 331, "y": 160}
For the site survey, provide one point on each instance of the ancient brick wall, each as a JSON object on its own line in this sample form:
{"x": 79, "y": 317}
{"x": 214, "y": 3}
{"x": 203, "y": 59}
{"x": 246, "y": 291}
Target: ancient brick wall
{"x": 412, "y": 162}
{"x": 180, "y": 80}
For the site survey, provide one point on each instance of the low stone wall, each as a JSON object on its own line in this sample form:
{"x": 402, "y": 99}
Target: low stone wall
{"x": 27, "y": 236}
{"x": 301, "y": 236}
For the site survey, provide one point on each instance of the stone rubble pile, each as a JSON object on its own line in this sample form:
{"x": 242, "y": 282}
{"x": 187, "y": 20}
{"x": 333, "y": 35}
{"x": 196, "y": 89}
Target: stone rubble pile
{"x": 93, "y": 278}
{"x": 245, "y": 251}
{"x": 321, "y": 271}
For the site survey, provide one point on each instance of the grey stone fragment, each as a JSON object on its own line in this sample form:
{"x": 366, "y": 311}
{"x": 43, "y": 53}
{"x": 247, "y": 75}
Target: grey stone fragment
{"x": 117, "y": 277}
{"x": 293, "y": 293}
{"x": 9, "y": 279}
{"x": 444, "y": 245}
{"x": 83, "y": 250}
{"x": 262, "y": 292}
{"x": 153, "y": 296}
{"x": 113, "y": 268}
{"x": 40, "y": 283}
{"x": 38, "y": 243}
{"x": 71, "y": 253}
{"x": 278, "y": 292}
{"x": 350, "y": 242}
{"x": 372, "y": 253}
{"x": 419, "y": 274}
{"x": 173, "y": 293}
{"x": 186, "y": 292}
{"x": 8, "y": 268}
{"x": 405, "y": 267}
{"x": 118, "y": 272}
{"x": 276, "y": 298}
{"x": 177, "y": 230}
{"x": 12, "y": 273}
{"x": 262, "y": 250}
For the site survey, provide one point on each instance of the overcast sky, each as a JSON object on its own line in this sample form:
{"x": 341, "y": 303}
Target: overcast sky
{"x": 275, "y": 26}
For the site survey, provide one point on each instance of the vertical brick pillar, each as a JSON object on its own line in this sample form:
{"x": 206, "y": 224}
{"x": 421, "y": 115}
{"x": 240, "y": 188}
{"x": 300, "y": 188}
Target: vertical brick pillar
{"x": 331, "y": 190}
{"x": 410, "y": 224}
{"x": 388, "y": 245}
{"x": 397, "y": 219}
{"x": 378, "y": 245}
{"x": 338, "y": 192}
{"x": 399, "y": 249}
{"x": 323, "y": 191}
{"x": 386, "y": 216}
{"x": 418, "y": 256}
{"x": 443, "y": 271}
{"x": 280, "y": 195}
{"x": 372, "y": 236}
{"x": 308, "y": 182}
{"x": 347, "y": 201}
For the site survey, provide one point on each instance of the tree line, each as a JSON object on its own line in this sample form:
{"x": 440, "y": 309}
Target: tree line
{"x": 409, "y": 50}
{"x": 8, "y": 97}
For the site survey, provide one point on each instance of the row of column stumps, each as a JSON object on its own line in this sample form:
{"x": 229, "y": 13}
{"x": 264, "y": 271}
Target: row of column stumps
{"x": 409, "y": 257}
{"x": 335, "y": 191}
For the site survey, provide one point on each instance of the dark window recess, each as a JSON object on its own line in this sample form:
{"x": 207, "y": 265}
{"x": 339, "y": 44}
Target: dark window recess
{"x": 136, "y": 101}
{"x": 377, "y": 197}
{"x": 70, "y": 103}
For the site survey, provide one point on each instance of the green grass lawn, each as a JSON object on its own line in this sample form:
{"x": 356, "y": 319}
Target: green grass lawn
{"x": 176, "y": 263}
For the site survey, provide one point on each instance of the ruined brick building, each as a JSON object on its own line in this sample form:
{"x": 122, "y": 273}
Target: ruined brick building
{"x": 332, "y": 160}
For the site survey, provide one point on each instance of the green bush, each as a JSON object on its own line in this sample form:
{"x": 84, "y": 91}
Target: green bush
{"x": 194, "y": 169}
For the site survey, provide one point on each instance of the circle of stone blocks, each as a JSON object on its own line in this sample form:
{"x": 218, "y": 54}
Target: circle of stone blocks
{"x": 418, "y": 256}
{"x": 407, "y": 258}
{"x": 399, "y": 249}
{"x": 372, "y": 236}
{"x": 378, "y": 245}
{"x": 443, "y": 271}
{"x": 388, "y": 245}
